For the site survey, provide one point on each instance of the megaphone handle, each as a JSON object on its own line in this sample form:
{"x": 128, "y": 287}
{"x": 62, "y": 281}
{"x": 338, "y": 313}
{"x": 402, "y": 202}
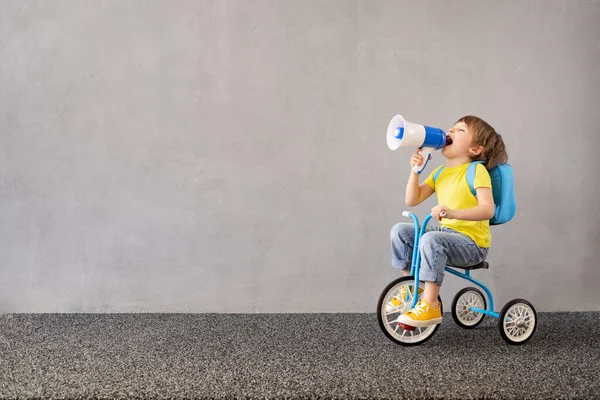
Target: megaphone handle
{"x": 425, "y": 153}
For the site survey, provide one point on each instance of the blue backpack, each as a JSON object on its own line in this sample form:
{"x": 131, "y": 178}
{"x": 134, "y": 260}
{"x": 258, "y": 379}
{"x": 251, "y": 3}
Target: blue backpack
{"x": 503, "y": 190}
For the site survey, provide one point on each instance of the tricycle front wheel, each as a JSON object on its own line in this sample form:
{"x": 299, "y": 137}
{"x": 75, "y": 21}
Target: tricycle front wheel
{"x": 394, "y": 301}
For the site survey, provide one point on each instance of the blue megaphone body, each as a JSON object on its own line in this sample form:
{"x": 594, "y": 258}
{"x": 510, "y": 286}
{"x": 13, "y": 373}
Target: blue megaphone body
{"x": 402, "y": 133}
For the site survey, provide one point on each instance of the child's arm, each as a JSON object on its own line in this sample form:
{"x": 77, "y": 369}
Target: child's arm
{"x": 482, "y": 212}
{"x": 416, "y": 194}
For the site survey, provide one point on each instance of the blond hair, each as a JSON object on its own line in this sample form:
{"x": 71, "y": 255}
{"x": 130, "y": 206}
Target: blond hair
{"x": 494, "y": 150}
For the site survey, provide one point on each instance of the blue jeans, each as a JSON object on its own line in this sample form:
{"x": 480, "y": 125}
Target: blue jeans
{"x": 439, "y": 247}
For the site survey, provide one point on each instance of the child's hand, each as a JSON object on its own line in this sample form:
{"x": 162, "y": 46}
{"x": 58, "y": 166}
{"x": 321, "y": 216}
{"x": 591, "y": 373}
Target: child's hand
{"x": 417, "y": 159}
{"x": 437, "y": 210}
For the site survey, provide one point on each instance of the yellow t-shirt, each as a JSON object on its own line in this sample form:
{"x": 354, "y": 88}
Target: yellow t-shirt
{"x": 452, "y": 190}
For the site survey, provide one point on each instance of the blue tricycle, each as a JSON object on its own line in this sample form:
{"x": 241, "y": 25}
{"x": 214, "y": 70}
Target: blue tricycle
{"x": 517, "y": 321}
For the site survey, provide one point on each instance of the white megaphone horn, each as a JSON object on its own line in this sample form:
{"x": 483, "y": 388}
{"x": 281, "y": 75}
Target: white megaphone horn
{"x": 402, "y": 133}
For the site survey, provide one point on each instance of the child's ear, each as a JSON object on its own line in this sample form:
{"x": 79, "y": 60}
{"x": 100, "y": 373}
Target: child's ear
{"x": 476, "y": 150}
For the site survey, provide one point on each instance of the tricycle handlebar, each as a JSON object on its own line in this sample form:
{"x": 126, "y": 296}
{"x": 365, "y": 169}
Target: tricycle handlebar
{"x": 407, "y": 214}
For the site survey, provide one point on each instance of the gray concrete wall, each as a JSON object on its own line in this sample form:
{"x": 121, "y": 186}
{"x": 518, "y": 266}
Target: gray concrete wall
{"x": 230, "y": 156}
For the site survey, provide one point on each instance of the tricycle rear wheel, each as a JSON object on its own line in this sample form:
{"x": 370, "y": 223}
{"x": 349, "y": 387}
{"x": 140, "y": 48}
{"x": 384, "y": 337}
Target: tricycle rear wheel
{"x": 517, "y": 322}
{"x": 461, "y": 304}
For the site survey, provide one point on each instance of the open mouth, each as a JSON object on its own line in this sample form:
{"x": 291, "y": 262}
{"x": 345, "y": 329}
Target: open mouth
{"x": 448, "y": 140}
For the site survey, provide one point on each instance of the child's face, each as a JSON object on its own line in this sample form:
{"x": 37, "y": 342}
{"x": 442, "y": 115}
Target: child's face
{"x": 459, "y": 142}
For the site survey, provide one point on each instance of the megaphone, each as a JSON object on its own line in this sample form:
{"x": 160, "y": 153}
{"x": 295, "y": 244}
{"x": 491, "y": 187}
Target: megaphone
{"x": 402, "y": 133}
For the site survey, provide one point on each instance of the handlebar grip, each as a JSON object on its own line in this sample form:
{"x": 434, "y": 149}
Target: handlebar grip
{"x": 443, "y": 214}
{"x": 406, "y": 214}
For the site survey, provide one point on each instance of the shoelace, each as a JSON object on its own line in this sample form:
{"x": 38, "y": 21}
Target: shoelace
{"x": 401, "y": 295}
{"x": 403, "y": 291}
{"x": 419, "y": 308}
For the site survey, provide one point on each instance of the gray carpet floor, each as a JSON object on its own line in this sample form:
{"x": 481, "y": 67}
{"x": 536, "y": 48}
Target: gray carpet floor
{"x": 289, "y": 356}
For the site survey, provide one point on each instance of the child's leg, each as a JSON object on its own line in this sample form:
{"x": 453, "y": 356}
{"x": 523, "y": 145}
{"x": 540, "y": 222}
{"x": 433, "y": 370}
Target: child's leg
{"x": 432, "y": 290}
{"x": 402, "y": 238}
{"x": 439, "y": 249}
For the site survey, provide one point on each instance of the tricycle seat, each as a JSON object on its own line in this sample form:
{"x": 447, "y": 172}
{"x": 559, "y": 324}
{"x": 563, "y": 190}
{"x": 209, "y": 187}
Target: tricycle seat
{"x": 481, "y": 265}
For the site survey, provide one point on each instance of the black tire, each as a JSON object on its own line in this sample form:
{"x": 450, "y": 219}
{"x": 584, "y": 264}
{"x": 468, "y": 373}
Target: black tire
{"x": 478, "y": 316}
{"x": 528, "y": 319}
{"x": 385, "y": 323}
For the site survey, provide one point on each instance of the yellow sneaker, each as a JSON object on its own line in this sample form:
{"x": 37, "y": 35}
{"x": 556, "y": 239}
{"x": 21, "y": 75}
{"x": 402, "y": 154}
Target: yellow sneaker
{"x": 422, "y": 315}
{"x": 398, "y": 300}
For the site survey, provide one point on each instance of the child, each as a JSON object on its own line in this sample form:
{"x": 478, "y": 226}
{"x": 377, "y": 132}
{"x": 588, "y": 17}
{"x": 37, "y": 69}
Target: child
{"x": 463, "y": 237}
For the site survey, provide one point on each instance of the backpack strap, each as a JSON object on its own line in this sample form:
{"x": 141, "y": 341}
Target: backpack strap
{"x": 437, "y": 173}
{"x": 471, "y": 175}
